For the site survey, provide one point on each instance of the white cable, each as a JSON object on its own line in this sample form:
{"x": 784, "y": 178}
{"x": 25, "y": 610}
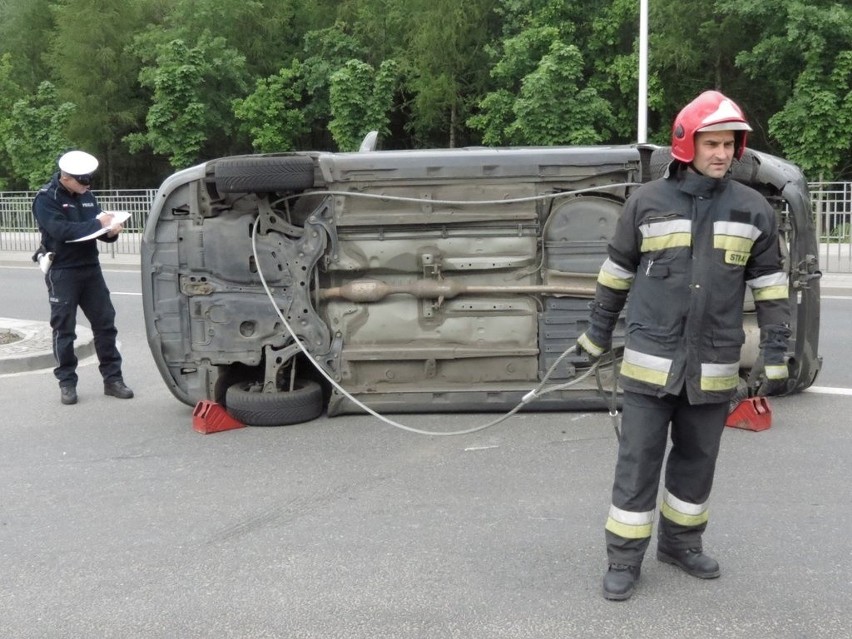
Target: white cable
{"x": 527, "y": 398}
{"x": 421, "y": 200}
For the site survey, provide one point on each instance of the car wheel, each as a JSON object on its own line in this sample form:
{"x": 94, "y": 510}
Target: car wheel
{"x": 246, "y": 402}
{"x": 264, "y": 174}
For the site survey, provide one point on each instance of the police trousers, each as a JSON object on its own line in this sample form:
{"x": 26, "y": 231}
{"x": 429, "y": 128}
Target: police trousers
{"x": 696, "y": 433}
{"x": 83, "y": 287}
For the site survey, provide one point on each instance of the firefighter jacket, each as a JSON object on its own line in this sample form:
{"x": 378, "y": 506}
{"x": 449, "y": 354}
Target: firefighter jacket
{"x": 684, "y": 249}
{"x": 63, "y": 217}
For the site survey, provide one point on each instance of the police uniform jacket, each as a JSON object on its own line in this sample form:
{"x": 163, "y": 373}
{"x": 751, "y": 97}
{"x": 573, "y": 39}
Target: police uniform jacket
{"x": 684, "y": 249}
{"x": 63, "y": 216}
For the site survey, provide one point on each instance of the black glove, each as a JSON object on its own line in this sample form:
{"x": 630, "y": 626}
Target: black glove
{"x": 597, "y": 339}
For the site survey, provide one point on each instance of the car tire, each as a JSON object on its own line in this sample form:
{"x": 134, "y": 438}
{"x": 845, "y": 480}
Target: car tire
{"x": 264, "y": 174}
{"x": 251, "y": 406}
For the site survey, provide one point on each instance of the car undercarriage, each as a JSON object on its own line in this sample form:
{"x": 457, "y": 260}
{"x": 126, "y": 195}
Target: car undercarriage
{"x": 453, "y": 280}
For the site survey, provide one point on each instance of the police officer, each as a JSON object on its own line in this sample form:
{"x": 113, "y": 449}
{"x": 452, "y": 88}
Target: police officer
{"x": 66, "y": 211}
{"x": 685, "y": 248}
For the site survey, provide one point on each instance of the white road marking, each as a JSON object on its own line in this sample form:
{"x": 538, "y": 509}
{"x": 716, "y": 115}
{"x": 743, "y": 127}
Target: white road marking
{"x": 828, "y": 390}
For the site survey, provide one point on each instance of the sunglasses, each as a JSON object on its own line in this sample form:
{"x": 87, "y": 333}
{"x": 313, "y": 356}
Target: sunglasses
{"x": 85, "y": 179}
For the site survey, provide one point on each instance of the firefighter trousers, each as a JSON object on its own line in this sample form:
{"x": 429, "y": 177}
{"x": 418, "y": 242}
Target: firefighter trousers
{"x": 696, "y": 433}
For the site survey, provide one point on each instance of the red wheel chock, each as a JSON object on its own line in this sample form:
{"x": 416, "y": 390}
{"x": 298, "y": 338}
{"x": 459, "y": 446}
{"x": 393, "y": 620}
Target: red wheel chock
{"x": 210, "y": 417}
{"x": 752, "y": 413}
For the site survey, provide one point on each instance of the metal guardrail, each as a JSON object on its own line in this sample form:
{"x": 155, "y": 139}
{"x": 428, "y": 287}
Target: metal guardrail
{"x": 832, "y": 204}
{"x": 18, "y": 231}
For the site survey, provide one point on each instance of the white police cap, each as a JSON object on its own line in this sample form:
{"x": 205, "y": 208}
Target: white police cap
{"x": 78, "y": 163}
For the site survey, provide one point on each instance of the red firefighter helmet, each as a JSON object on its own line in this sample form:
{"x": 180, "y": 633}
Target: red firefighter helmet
{"x": 710, "y": 111}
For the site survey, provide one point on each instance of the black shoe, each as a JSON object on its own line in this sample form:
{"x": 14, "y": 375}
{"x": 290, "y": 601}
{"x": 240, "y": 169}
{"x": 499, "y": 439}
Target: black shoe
{"x": 68, "y": 394}
{"x": 692, "y": 561}
{"x": 117, "y": 389}
{"x": 619, "y": 582}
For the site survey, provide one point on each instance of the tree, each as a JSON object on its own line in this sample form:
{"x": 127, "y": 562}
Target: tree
{"x": 325, "y": 52}
{"x": 543, "y": 93}
{"x": 521, "y": 56}
{"x": 361, "y": 100}
{"x": 815, "y": 126}
{"x": 10, "y": 93}
{"x": 694, "y": 47}
{"x": 273, "y": 115}
{"x": 803, "y": 54}
{"x": 91, "y": 68}
{"x": 36, "y": 134}
{"x": 193, "y": 91}
{"x": 554, "y": 109}
{"x": 25, "y": 26}
{"x": 443, "y": 65}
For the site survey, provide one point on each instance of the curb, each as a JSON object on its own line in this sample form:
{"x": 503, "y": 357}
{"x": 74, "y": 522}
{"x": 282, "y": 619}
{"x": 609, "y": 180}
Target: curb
{"x": 34, "y": 350}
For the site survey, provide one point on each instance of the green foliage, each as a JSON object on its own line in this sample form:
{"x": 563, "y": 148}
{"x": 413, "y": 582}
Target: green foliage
{"x": 260, "y": 74}
{"x": 273, "y": 114}
{"x": 807, "y": 49}
{"x": 92, "y": 70}
{"x": 36, "y": 134}
{"x": 443, "y": 61}
{"x": 325, "y": 51}
{"x": 24, "y": 29}
{"x": 814, "y": 126}
{"x": 361, "y": 100}
{"x": 544, "y": 92}
{"x": 183, "y": 116}
{"x": 554, "y": 109}
{"x": 10, "y": 93}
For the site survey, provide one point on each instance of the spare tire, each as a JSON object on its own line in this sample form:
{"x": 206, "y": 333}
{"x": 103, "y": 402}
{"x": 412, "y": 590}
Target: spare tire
{"x": 264, "y": 174}
{"x": 246, "y": 402}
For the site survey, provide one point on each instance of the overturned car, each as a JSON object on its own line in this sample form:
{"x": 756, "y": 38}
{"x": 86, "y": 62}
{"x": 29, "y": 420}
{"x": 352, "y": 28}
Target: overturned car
{"x": 456, "y": 280}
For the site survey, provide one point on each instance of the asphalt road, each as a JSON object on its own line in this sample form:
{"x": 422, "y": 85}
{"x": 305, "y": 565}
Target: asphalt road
{"x": 119, "y": 520}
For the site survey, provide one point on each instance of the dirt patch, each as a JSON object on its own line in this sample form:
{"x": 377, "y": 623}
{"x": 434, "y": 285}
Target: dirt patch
{"x": 8, "y": 337}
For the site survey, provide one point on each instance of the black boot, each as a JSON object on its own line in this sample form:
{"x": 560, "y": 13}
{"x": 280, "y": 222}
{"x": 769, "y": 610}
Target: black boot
{"x": 619, "y": 582}
{"x": 117, "y": 389}
{"x": 692, "y": 561}
{"x": 68, "y": 394}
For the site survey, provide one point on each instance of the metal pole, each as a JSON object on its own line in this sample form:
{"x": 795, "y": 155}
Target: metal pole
{"x": 642, "y": 135}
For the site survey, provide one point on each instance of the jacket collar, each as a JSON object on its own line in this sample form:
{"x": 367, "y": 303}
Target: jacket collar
{"x": 694, "y": 183}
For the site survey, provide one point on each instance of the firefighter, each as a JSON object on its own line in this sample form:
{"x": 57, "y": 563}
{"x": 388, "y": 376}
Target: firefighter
{"x": 685, "y": 247}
